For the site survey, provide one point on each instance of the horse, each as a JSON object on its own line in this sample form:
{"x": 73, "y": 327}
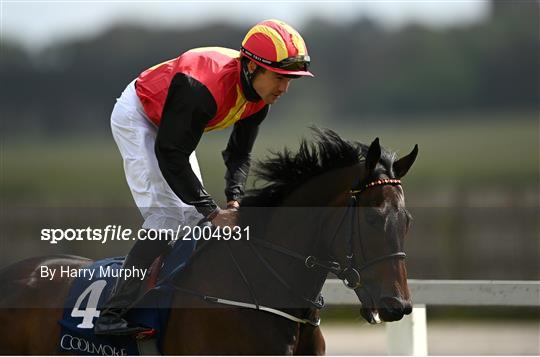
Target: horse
{"x": 332, "y": 208}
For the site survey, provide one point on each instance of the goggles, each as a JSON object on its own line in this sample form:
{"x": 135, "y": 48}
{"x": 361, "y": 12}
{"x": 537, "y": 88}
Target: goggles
{"x": 297, "y": 63}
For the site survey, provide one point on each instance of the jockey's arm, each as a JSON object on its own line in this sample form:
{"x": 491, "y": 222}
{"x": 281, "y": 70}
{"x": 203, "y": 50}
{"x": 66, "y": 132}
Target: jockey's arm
{"x": 237, "y": 155}
{"x": 189, "y": 106}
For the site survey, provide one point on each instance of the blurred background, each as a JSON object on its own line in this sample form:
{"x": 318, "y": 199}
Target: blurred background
{"x": 460, "y": 79}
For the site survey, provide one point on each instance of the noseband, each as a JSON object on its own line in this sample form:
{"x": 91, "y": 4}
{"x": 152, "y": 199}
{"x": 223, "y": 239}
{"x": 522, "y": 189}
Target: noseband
{"x": 350, "y": 275}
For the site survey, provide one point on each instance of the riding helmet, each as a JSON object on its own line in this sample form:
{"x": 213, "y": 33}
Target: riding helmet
{"x": 278, "y": 47}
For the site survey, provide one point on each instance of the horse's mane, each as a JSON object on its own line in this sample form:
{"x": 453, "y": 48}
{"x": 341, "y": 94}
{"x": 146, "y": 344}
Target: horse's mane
{"x": 285, "y": 171}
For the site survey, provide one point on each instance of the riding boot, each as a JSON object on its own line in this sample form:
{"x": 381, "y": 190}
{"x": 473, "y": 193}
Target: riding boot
{"x": 111, "y": 320}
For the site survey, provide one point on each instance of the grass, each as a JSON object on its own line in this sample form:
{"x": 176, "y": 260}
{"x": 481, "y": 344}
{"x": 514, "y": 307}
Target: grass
{"x": 498, "y": 151}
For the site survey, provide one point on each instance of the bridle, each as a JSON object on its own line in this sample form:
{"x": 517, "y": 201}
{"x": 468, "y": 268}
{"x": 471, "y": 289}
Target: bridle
{"x": 349, "y": 274}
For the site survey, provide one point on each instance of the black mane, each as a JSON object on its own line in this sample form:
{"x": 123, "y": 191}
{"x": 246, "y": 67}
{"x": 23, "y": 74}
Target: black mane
{"x": 284, "y": 171}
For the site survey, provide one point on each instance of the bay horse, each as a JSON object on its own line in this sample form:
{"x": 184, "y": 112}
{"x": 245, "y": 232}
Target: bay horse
{"x": 332, "y": 207}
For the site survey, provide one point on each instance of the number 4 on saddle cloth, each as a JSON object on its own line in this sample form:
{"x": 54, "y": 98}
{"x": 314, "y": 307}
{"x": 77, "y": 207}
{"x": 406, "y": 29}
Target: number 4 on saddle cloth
{"x": 87, "y": 296}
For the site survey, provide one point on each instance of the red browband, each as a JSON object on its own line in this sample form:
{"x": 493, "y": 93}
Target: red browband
{"x": 378, "y": 182}
{"x": 383, "y": 182}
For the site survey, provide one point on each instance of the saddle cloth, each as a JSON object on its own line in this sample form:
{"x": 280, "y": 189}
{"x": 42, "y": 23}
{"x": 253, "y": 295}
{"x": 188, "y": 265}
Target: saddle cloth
{"x": 87, "y": 297}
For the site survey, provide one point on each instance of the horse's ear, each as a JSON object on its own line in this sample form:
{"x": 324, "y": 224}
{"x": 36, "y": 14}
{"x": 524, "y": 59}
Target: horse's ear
{"x": 373, "y": 155}
{"x": 404, "y": 164}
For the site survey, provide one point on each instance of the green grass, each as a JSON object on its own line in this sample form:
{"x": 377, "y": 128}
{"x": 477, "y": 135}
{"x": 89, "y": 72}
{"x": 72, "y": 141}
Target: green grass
{"x": 57, "y": 171}
{"x": 501, "y": 150}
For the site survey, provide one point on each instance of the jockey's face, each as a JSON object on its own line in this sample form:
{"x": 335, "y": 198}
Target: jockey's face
{"x": 269, "y": 85}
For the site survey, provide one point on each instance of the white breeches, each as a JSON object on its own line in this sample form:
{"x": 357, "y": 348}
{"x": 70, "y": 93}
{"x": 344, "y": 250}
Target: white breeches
{"x": 135, "y": 136}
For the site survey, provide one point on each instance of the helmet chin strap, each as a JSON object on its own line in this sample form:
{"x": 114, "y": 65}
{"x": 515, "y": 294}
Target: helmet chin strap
{"x": 246, "y": 80}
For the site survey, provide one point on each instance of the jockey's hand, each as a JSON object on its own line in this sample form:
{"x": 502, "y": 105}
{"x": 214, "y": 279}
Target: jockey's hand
{"x": 226, "y": 218}
{"x": 233, "y": 205}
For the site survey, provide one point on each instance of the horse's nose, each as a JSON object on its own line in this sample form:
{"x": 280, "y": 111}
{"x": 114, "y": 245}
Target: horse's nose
{"x": 395, "y": 305}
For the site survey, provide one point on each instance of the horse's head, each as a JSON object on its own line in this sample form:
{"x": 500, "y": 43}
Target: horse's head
{"x": 340, "y": 207}
{"x": 371, "y": 246}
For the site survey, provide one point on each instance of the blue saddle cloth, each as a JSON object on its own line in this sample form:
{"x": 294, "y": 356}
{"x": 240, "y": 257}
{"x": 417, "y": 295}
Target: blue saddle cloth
{"x": 87, "y": 296}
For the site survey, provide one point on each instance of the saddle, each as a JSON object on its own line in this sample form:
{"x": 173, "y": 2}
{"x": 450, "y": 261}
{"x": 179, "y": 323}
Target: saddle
{"x": 152, "y": 309}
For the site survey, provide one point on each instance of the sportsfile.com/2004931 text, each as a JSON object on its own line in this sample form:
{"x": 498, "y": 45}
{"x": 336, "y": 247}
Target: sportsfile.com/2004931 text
{"x": 119, "y": 233}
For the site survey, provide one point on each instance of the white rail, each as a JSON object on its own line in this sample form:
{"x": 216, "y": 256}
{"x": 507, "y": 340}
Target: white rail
{"x": 409, "y": 335}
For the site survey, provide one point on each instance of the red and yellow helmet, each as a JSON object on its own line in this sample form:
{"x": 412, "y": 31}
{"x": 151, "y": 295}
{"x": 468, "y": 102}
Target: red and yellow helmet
{"x": 276, "y": 46}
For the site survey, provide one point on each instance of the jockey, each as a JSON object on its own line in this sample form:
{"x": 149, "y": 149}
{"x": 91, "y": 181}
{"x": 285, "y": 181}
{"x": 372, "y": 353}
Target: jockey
{"x": 158, "y": 122}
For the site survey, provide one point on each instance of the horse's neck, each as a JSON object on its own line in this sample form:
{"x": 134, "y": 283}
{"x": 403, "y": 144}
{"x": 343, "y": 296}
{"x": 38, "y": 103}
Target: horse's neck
{"x": 306, "y": 223}
{"x": 296, "y": 226}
